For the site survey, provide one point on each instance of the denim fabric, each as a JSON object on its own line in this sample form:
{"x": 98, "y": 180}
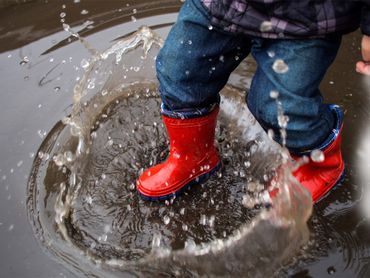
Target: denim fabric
{"x": 334, "y": 133}
{"x": 198, "y": 58}
{"x": 310, "y": 120}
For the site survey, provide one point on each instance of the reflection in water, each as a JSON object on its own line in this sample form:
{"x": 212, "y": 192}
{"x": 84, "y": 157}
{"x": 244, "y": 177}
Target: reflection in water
{"x": 82, "y": 200}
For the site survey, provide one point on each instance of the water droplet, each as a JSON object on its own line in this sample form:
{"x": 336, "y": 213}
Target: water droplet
{"x": 41, "y": 133}
{"x": 133, "y": 19}
{"x": 248, "y": 202}
{"x": 56, "y": 89}
{"x": 203, "y": 220}
{"x": 24, "y": 61}
{"x": 190, "y": 42}
{"x": 85, "y": 64}
{"x": 274, "y": 94}
{"x": 331, "y": 270}
{"x": 283, "y": 121}
{"x": 279, "y": 66}
{"x": 237, "y": 58}
{"x": 317, "y": 156}
{"x": 271, "y": 53}
{"x": 266, "y": 26}
{"x": 26, "y": 77}
{"x": 166, "y": 219}
{"x": 331, "y": 82}
{"x": 185, "y": 227}
{"x": 11, "y": 227}
{"x": 59, "y": 159}
{"x": 68, "y": 155}
{"x": 66, "y": 28}
{"x": 91, "y": 85}
{"x": 134, "y": 11}
{"x": 89, "y": 200}
{"x": 156, "y": 241}
{"x": 84, "y": 12}
{"x": 211, "y": 221}
{"x": 348, "y": 96}
{"x": 132, "y": 186}
{"x": 136, "y": 69}
{"x": 19, "y": 164}
{"x": 210, "y": 27}
{"x": 187, "y": 72}
{"x": 62, "y": 15}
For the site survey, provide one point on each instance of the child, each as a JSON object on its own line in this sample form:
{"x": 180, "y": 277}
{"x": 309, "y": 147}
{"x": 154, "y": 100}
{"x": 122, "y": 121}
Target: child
{"x": 293, "y": 43}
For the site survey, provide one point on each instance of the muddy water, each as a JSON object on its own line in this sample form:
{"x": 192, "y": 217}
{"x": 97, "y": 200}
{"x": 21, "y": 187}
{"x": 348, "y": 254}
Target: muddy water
{"x": 38, "y": 74}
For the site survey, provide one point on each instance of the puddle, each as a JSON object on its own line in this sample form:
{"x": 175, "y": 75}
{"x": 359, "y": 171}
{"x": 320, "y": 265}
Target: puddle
{"x": 106, "y": 236}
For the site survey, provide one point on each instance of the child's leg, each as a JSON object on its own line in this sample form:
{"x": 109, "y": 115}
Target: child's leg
{"x": 195, "y": 62}
{"x": 192, "y": 67}
{"x": 312, "y": 124}
{"x": 310, "y": 120}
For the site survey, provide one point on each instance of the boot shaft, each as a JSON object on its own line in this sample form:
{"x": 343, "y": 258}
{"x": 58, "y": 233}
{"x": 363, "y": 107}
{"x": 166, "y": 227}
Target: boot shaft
{"x": 194, "y": 136}
{"x": 318, "y": 177}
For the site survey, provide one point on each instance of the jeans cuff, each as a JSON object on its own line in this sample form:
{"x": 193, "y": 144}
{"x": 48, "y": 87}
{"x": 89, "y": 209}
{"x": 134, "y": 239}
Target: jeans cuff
{"x": 187, "y": 113}
{"x": 338, "y": 114}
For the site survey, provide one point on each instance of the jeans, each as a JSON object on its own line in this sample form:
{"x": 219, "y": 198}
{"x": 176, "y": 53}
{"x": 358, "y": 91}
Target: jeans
{"x": 198, "y": 58}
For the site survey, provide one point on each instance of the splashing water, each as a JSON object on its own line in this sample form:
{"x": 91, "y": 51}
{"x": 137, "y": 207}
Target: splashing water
{"x": 279, "y": 66}
{"x": 84, "y": 208}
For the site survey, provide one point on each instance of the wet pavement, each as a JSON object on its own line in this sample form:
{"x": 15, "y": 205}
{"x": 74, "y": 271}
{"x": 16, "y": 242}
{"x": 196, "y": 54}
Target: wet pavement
{"x": 38, "y": 60}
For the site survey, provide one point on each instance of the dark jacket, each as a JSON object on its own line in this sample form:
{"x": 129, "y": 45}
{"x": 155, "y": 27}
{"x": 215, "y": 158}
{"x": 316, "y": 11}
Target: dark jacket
{"x": 290, "y": 18}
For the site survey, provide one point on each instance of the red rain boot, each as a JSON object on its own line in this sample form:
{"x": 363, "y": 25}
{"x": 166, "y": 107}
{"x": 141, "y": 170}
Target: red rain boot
{"x": 193, "y": 157}
{"x": 320, "y": 177}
